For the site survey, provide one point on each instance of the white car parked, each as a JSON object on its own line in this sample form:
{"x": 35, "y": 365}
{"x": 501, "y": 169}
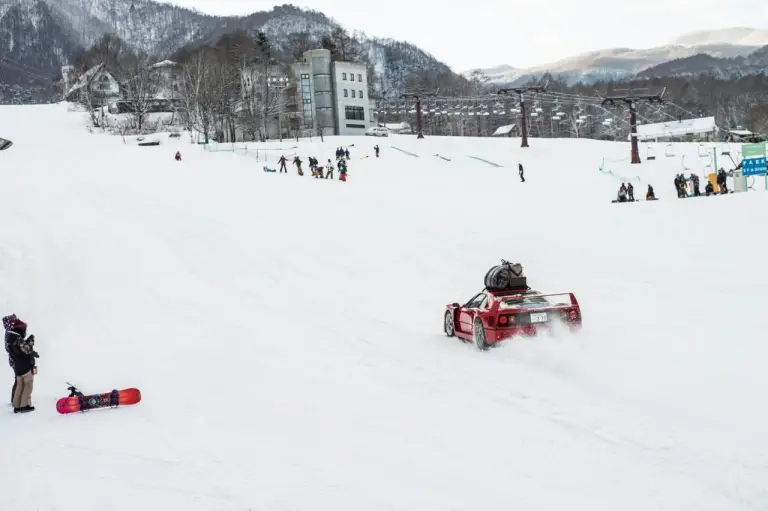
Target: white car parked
{"x": 377, "y": 131}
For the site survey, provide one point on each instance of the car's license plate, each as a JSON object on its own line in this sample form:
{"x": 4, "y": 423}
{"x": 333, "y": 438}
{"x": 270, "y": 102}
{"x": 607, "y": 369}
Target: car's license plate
{"x": 538, "y": 317}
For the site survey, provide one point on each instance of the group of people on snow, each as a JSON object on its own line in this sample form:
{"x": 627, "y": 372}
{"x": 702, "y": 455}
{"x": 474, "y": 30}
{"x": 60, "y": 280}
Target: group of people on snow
{"x": 627, "y": 193}
{"x": 21, "y": 358}
{"x": 316, "y": 168}
{"x": 681, "y": 185}
{"x": 321, "y": 171}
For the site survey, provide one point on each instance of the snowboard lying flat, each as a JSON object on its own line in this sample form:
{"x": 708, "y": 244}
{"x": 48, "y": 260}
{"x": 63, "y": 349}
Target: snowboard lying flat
{"x": 108, "y": 399}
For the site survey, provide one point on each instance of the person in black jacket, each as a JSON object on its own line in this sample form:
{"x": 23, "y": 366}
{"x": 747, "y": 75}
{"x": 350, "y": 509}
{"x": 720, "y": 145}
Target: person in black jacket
{"x": 21, "y": 357}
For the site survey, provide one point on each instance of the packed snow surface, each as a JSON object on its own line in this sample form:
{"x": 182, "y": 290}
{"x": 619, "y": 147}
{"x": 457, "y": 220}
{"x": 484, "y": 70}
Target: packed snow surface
{"x": 286, "y": 332}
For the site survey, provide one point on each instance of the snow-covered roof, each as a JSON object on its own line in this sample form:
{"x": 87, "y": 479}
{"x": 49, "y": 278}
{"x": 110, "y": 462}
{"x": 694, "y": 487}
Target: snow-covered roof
{"x": 398, "y": 126}
{"x": 741, "y": 133}
{"x": 503, "y": 130}
{"x": 165, "y": 63}
{"x": 85, "y": 78}
{"x": 676, "y": 128}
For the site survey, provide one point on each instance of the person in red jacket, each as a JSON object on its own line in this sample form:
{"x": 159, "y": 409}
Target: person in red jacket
{"x": 178, "y": 155}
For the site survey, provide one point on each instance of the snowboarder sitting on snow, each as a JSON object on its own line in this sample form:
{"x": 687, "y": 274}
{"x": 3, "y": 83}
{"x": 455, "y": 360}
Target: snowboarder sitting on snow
{"x": 650, "y": 195}
{"x": 21, "y": 357}
{"x": 709, "y": 189}
{"x": 622, "y": 197}
{"x": 317, "y": 171}
{"x": 178, "y": 155}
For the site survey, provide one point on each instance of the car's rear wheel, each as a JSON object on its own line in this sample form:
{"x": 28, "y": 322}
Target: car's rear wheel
{"x": 448, "y": 326}
{"x": 478, "y": 332}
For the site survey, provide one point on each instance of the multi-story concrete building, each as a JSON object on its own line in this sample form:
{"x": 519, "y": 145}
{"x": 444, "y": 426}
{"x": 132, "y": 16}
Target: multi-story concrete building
{"x": 333, "y": 96}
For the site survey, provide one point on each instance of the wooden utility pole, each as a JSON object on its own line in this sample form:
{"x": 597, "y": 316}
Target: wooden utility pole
{"x": 632, "y": 100}
{"x": 520, "y": 91}
{"x": 419, "y": 120}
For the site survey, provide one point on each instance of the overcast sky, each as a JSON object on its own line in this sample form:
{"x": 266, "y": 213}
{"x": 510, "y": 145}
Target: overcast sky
{"x": 466, "y": 34}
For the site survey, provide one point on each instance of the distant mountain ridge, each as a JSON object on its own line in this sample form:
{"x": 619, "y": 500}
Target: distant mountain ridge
{"x": 620, "y": 63}
{"x": 37, "y": 37}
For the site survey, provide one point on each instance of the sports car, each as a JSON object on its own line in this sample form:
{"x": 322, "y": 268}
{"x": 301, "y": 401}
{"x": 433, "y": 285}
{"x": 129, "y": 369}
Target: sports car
{"x": 490, "y": 317}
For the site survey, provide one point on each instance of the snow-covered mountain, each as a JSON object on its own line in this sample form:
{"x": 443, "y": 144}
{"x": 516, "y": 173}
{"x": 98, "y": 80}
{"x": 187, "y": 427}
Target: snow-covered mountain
{"x": 616, "y": 63}
{"x": 37, "y": 37}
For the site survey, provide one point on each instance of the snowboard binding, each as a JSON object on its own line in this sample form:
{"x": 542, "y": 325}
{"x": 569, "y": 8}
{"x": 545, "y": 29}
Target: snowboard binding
{"x": 111, "y": 399}
{"x": 73, "y": 392}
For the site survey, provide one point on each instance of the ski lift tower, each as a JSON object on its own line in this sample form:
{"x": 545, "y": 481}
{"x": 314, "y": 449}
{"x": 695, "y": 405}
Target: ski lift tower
{"x": 632, "y": 100}
{"x": 520, "y": 91}
{"x": 417, "y": 96}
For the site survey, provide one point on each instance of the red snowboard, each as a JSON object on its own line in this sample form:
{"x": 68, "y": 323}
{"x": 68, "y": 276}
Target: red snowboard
{"x": 106, "y": 400}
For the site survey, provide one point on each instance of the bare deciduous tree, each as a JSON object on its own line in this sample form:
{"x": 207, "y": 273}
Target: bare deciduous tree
{"x": 198, "y": 92}
{"x": 141, "y": 85}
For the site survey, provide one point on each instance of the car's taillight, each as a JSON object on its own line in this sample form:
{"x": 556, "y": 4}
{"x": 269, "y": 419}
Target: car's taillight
{"x": 574, "y": 314}
{"x": 506, "y": 320}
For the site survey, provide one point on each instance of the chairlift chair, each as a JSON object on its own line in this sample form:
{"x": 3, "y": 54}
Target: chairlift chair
{"x": 669, "y": 150}
{"x": 650, "y": 154}
{"x": 703, "y": 151}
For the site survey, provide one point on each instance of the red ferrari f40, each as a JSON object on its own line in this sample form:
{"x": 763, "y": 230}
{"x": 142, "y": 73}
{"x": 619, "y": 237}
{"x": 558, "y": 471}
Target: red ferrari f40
{"x": 493, "y": 316}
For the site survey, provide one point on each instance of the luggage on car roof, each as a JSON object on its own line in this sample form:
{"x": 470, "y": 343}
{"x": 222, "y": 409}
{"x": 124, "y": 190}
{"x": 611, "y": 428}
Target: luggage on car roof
{"x": 505, "y": 276}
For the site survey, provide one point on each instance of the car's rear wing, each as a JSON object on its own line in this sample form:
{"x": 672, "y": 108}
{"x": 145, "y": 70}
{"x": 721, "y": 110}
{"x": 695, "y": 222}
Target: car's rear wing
{"x": 528, "y": 301}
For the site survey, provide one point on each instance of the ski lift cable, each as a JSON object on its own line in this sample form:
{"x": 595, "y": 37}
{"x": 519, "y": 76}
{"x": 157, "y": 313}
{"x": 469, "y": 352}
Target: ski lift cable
{"x": 8, "y": 65}
{"x": 30, "y": 69}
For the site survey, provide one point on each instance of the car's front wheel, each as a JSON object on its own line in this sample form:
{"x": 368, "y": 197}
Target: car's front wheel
{"x": 448, "y": 326}
{"x": 478, "y": 332}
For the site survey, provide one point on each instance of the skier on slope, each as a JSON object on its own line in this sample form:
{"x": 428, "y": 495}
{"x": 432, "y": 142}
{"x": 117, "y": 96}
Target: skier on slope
{"x": 520, "y": 171}
{"x": 21, "y": 357}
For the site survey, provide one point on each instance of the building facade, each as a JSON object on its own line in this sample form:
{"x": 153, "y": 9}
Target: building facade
{"x": 96, "y": 87}
{"x": 333, "y": 96}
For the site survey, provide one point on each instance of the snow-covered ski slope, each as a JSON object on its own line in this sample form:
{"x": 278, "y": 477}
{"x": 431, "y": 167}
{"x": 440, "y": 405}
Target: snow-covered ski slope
{"x": 287, "y": 336}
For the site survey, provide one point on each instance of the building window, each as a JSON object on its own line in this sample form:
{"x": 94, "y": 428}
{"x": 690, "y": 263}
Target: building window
{"x": 361, "y": 94}
{"x": 305, "y": 77}
{"x": 359, "y": 78}
{"x": 343, "y": 76}
{"x": 353, "y": 93}
{"x": 352, "y": 76}
{"x": 354, "y": 113}
{"x": 345, "y": 93}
